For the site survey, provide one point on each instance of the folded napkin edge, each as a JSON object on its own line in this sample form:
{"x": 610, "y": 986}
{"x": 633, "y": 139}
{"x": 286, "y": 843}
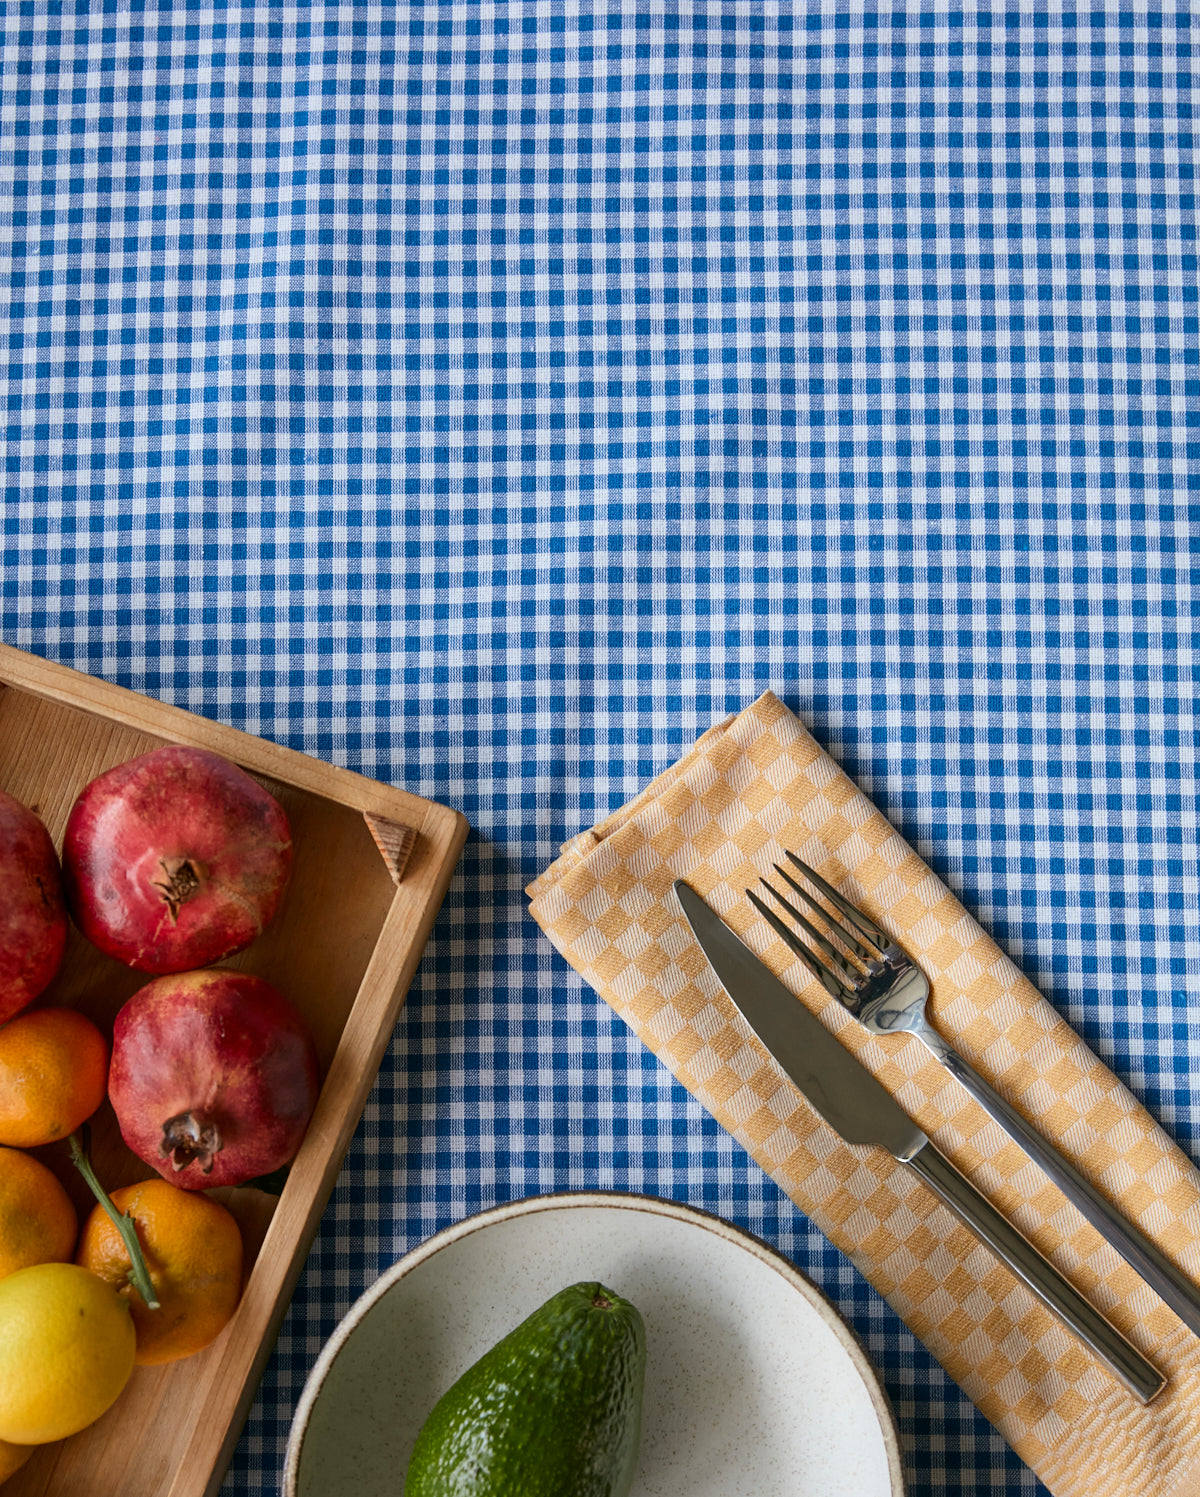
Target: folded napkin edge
{"x": 840, "y": 812}
{"x": 577, "y": 847}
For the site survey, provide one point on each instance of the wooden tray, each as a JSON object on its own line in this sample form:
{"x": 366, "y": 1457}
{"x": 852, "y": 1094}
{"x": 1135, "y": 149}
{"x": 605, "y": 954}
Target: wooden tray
{"x": 372, "y": 864}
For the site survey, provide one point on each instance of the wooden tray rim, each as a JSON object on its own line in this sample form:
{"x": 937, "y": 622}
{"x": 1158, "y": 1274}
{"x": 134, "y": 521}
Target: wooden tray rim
{"x": 91, "y": 694}
{"x": 367, "y": 1030}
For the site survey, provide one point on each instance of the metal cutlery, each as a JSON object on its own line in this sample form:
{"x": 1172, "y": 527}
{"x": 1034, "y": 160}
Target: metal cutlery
{"x": 856, "y": 1106}
{"x": 886, "y": 991}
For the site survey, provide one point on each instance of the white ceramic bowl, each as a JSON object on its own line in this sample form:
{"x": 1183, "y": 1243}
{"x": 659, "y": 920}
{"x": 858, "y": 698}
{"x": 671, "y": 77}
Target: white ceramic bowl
{"x": 753, "y": 1382}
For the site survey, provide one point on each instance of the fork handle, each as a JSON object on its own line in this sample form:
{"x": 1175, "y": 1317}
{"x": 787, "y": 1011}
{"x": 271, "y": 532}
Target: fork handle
{"x": 1167, "y": 1280}
{"x": 1120, "y": 1356}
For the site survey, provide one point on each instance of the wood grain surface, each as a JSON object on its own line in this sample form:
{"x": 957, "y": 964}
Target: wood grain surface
{"x": 372, "y": 864}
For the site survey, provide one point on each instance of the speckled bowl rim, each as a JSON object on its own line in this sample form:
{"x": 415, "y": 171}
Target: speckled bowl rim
{"x": 565, "y": 1201}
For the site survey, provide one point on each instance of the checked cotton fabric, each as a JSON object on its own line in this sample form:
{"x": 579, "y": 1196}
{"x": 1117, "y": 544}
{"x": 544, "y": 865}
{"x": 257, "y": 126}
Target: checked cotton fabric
{"x": 751, "y": 789}
{"x": 492, "y": 397}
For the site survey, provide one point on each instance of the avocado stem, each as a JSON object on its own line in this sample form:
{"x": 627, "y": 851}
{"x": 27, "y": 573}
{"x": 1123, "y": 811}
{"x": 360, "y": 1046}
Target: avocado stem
{"x": 139, "y": 1274}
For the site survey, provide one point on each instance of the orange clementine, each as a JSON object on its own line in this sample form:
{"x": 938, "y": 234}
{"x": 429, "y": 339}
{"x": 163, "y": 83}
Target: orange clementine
{"x": 53, "y": 1071}
{"x": 37, "y": 1220}
{"x": 193, "y": 1251}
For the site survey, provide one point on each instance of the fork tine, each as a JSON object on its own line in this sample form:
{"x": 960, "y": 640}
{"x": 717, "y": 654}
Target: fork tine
{"x": 846, "y": 937}
{"x": 841, "y": 989}
{"x": 816, "y": 936}
{"x": 866, "y": 926}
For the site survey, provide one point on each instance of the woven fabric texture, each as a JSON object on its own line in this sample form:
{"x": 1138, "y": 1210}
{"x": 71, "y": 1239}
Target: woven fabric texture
{"x": 750, "y": 790}
{"x": 493, "y": 396}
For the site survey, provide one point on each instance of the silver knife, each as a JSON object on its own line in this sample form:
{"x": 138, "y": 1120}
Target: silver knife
{"x": 858, "y": 1108}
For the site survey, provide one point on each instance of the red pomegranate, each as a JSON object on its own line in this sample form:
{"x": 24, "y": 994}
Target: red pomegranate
{"x": 175, "y": 859}
{"x": 213, "y": 1077}
{"x": 33, "y": 917}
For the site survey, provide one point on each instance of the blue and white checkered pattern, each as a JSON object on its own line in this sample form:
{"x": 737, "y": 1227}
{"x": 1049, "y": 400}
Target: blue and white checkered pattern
{"x": 490, "y": 396}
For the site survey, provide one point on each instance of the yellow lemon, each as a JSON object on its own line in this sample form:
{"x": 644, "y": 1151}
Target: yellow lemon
{"x": 12, "y": 1458}
{"x": 66, "y": 1351}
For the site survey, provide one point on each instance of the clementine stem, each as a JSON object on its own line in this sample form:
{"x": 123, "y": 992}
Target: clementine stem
{"x": 138, "y": 1272}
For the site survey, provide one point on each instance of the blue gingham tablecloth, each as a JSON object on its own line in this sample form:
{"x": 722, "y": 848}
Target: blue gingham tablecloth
{"x": 491, "y": 396}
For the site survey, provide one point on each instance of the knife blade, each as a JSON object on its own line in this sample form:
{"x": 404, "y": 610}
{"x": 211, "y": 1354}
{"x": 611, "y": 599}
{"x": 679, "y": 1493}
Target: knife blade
{"x": 858, "y": 1108}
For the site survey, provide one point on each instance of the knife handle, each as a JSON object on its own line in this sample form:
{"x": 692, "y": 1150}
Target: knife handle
{"x": 1120, "y": 1356}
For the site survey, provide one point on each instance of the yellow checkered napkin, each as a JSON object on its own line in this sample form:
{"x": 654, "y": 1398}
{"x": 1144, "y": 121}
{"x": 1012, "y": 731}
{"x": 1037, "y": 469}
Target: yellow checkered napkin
{"x": 749, "y": 789}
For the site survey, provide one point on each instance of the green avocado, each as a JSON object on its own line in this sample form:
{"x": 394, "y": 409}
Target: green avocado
{"x": 553, "y": 1410}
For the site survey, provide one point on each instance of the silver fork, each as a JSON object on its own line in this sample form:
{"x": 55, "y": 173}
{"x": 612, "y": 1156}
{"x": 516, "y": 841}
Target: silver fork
{"x": 875, "y": 978}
